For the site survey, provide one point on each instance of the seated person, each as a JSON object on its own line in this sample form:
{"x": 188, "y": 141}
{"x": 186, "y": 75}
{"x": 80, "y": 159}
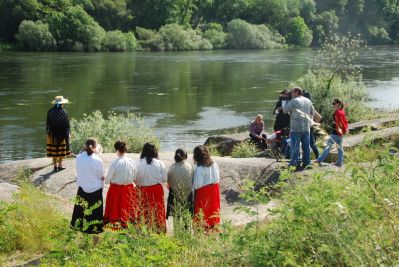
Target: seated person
{"x": 279, "y": 142}
{"x": 256, "y": 133}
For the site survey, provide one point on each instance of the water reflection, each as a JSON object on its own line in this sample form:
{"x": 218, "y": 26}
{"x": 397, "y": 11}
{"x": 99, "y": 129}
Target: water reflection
{"x": 185, "y": 96}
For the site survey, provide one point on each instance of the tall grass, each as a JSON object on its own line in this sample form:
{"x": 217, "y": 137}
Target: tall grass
{"x": 113, "y": 127}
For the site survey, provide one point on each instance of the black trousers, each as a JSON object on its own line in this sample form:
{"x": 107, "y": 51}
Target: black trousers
{"x": 260, "y": 143}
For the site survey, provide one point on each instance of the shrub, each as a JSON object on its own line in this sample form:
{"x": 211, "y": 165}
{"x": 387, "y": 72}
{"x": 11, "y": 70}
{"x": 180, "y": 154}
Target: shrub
{"x": 298, "y": 32}
{"x": 242, "y": 35}
{"x": 378, "y": 35}
{"x": 35, "y": 36}
{"x": 127, "y": 127}
{"x": 149, "y": 39}
{"x": 214, "y": 33}
{"x": 351, "y": 91}
{"x": 334, "y": 74}
{"x": 244, "y": 150}
{"x": 175, "y": 37}
{"x": 119, "y": 41}
{"x": 73, "y": 26}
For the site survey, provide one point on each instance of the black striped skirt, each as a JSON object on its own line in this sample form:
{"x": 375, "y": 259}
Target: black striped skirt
{"x": 57, "y": 150}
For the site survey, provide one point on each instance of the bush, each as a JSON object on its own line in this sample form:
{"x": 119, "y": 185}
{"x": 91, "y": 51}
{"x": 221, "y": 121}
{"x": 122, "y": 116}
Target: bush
{"x": 298, "y": 32}
{"x": 214, "y": 33}
{"x": 351, "y": 91}
{"x": 75, "y": 26}
{"x": 242, "y": 35}
{"x": 244, "y": 150}
{"x": 149, "y": 39}
{"x": 35, "y": 36}
{"x": 107, "y": 131}
{"x": 334, "y": 74}
{"x": 175, "y": 37}
{"x": 378, "y": 35}
{"x": 118, "y": 41}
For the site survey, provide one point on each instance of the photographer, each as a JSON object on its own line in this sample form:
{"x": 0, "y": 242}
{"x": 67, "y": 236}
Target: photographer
{"x": 282, "y": 120}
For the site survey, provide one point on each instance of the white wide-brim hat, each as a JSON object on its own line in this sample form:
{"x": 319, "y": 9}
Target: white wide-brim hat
{"x": 60, "y": 100}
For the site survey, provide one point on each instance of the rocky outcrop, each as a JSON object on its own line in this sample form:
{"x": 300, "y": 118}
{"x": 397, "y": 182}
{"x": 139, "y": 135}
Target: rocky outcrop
{"x": 224, "y": 144}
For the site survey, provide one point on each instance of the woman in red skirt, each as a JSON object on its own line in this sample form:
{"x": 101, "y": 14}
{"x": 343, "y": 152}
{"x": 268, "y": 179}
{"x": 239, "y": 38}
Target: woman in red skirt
{"x": 121, "y": 205}
{"x": 151, "y": 174}
{"x": 206, "y": 189}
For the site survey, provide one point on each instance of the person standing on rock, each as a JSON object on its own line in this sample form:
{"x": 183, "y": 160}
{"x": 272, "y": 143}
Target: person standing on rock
{"x": 339, "y": 128}
{"x": 121, "y": 205}
{"x": 302, "y": 111}
{"x": 256, "y": 132}
{"x": 58, "y": 132}
{"x": 180, "y": 182}
{"x": 87, "y": 213}
{"x": 151, "y": 174}
{"x": 206, "y": 189}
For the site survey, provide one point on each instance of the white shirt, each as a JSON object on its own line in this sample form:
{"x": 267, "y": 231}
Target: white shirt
{"x": 122, "y": 171}
{"x": 89, "y": 170}
{"x": 151, "y": 174}
{"x": 206, "y": 175}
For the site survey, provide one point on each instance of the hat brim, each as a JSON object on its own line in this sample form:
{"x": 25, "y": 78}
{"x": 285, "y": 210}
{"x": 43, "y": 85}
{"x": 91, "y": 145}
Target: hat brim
{"x": 64, "y": 101}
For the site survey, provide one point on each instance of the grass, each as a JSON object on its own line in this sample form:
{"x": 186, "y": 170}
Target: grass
{"x": 245, "y": 150}
{"x": 329, "y": 218}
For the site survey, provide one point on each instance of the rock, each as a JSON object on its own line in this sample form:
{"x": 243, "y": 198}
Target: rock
{"x": 9, "y": 170}
{"x": 224, "y": 144}
{"x": 7, "y": 191}
{"x": 373, "y": 125}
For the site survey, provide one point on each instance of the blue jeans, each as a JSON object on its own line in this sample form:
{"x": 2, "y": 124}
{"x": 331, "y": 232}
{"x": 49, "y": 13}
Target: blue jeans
{"x": 334, "y": 139}
{"x": 304, "y": 139}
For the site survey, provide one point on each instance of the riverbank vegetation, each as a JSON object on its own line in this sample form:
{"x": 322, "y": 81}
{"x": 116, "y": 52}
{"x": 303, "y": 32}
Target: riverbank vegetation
{"x": 114, "y": 25}
{"x": 107, "y": 129}
{"x": 331, "y": 218}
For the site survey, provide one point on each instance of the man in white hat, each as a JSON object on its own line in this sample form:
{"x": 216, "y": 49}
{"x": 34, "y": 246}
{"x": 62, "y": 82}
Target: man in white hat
{"x": 58, "y": 132}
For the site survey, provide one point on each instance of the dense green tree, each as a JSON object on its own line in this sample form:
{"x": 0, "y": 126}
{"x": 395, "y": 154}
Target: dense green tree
{"x": 214, "y": 33}
{"x": 74, "y": 29}
{"x": 111, "y": 14}
{"x": 35, "y": 36}
{"x": 118, "y": 41}
{"x": 298, "y": 32}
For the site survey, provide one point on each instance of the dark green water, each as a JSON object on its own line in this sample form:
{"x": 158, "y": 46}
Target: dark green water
{"x": 185, "y": 96}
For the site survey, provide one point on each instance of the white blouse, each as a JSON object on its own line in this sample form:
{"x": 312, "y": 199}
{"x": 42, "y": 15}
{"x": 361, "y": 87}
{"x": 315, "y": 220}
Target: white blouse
{"x": 206, "y": 175}
{"x": 122, "y": 171}
{"x": 151, "y": 174}
{"x": 89, "y": 171}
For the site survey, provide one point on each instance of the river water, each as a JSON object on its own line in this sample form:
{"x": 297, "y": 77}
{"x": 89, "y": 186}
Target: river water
{"x": 184, "y": 96}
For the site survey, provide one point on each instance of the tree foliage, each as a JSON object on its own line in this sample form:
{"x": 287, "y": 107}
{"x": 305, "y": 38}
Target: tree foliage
{"x": 298, "y": 21}
{"x": 35, "y": 36}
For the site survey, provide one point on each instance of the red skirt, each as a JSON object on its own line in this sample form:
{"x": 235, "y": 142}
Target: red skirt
{"x": 121, "y": 204}
{"x": 152, "y": 206}
{"x": 207, "y": 205}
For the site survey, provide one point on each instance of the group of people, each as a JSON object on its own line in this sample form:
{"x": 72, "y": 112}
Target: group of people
{"x": 136, "y": 191}
{"x": 294, "y": 129}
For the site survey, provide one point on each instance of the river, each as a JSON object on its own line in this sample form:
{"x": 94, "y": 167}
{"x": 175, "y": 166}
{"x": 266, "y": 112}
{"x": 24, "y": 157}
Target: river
{"x": 184, "y": 96}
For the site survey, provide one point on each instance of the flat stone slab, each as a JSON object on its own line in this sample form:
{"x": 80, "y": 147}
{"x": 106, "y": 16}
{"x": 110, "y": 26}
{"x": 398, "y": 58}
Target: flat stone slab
{"x": 7, "y": 191}
{"x": 10, "y": 170}
{"x": 355, "y": 140}
{"x": 373, "y": 124}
